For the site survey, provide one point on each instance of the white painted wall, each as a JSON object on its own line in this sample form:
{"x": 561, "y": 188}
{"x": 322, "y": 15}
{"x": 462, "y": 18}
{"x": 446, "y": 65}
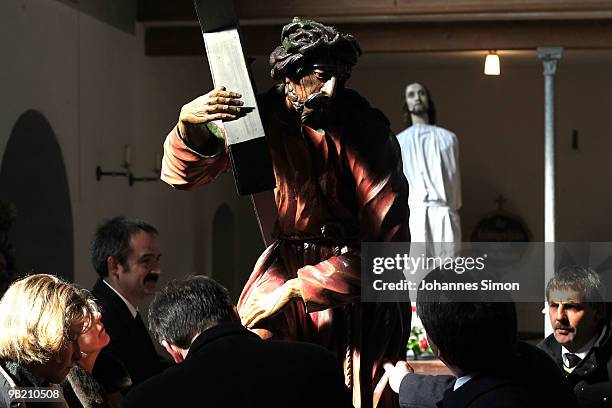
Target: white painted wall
{"x": 99, "y": 92}
{"x": 499, "y": 123}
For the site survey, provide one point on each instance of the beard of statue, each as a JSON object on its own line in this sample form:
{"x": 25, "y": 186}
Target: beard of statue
{"x": 307, "y": 97}
{"x": 417, "y": 100}
{"x": 418, "y": 109}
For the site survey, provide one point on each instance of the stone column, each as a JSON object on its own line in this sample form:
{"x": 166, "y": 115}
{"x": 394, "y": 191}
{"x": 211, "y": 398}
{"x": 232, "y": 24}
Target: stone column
{"x": 549, "y": 57}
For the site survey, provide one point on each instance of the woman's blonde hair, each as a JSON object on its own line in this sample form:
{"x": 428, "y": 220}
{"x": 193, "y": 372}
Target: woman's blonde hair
{"x": 36, "y": 317}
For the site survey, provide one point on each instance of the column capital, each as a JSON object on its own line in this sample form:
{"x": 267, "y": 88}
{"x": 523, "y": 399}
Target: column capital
{"x": 549, "y": 57}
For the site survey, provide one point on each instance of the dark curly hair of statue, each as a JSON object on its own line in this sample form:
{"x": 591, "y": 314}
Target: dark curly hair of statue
{"x": 304, "y": 40}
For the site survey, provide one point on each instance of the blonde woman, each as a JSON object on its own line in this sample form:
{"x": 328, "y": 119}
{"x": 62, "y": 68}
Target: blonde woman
{"x": 98, "y": 379}
{"x": 41, "y": 319}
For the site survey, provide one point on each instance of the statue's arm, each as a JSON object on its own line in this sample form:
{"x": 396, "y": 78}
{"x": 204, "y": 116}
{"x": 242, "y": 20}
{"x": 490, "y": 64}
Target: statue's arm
{"x": 195, "y": 151}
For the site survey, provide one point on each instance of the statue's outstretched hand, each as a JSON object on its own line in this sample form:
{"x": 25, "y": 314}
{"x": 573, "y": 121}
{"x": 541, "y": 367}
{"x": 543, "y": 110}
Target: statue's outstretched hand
{"x": 264, "y": 305}
{"x": 218, "y": 104}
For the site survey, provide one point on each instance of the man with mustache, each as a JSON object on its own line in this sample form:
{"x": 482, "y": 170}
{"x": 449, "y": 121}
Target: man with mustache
{"x": 339, "y": 182}
{"x": 125, "y": 253}
{"x": 581, "y": 343}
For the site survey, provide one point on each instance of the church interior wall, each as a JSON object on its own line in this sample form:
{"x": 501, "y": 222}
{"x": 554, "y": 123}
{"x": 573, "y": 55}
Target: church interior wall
{"x": 500, "y": 125}
{"x": 99, "y": 91}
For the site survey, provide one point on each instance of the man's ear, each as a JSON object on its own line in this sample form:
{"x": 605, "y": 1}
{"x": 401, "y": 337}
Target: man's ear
{"x": 173, "y": 351}
{"x": 113, "y": 266}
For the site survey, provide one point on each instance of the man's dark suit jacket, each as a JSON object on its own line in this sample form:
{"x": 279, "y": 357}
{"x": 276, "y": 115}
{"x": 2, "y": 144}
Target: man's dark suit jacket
{"x": 531, "y": 379}
{"x": 130, "y": 341}
{"x": 228, "y": 366}
{"x": 490, "y": 392}
{"x": 592, "y": 377}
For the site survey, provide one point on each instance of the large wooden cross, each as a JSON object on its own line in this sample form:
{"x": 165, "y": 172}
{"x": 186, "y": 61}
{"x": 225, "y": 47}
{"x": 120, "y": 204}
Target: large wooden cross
{"x": 246, "y": 141}
{"x": 248, "y": 150}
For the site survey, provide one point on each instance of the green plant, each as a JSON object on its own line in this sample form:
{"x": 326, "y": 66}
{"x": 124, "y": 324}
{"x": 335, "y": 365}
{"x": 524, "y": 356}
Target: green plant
{"x": 417, "y": 342}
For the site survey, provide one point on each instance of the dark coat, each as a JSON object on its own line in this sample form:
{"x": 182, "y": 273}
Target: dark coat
{"x": 489, "y": 391}
{"x": 14, "y": 375}
{"x": 103, "y": 388}
{"x": 130, "y": 341}
{"x": 80, "y": 390}
{"x": 529, "y": 380}
{"x": 10, "y": 379}
{"x": 592, "y": 377}
{"x": 229, "y": 366}
{"x": 423, "y": 391}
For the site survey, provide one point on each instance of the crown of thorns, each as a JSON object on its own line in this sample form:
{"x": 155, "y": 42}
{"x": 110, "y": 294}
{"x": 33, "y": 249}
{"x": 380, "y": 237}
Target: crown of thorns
{"x": 303, "y": 40}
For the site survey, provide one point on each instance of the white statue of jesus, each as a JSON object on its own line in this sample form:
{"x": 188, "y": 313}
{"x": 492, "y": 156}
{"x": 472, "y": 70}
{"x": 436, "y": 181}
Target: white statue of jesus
{"x": 430, "y": 155}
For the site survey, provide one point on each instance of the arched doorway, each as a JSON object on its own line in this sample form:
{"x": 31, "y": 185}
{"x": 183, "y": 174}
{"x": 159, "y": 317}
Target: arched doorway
{"x": 33, "y": 178}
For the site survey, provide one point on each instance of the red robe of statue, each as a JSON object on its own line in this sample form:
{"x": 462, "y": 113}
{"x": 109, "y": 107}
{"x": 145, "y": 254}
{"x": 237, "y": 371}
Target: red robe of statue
{"x": 336, "y": 187}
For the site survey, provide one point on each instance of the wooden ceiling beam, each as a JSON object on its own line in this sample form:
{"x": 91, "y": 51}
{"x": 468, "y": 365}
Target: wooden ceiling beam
{"x": 410, "y": 37}
{"x": 165, "y": 10}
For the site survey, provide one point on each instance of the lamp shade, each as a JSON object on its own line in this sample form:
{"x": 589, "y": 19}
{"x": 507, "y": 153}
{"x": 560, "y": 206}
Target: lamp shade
{"x": 492, "y": 64}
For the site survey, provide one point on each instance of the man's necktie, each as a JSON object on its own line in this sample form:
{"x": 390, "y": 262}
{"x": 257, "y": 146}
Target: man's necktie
{"x": 571, "y": 360}
{"x": 140, "y": 323}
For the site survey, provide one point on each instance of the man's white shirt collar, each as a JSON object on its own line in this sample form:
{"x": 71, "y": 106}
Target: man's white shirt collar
{"x": 133, "y": 310}
{"x": 460, "y": 381}
{"x": 582, "y": 352}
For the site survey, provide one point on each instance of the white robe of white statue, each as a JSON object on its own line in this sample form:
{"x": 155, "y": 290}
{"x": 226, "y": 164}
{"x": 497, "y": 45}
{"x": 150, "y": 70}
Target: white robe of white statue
{"x": 430, "y": 155}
